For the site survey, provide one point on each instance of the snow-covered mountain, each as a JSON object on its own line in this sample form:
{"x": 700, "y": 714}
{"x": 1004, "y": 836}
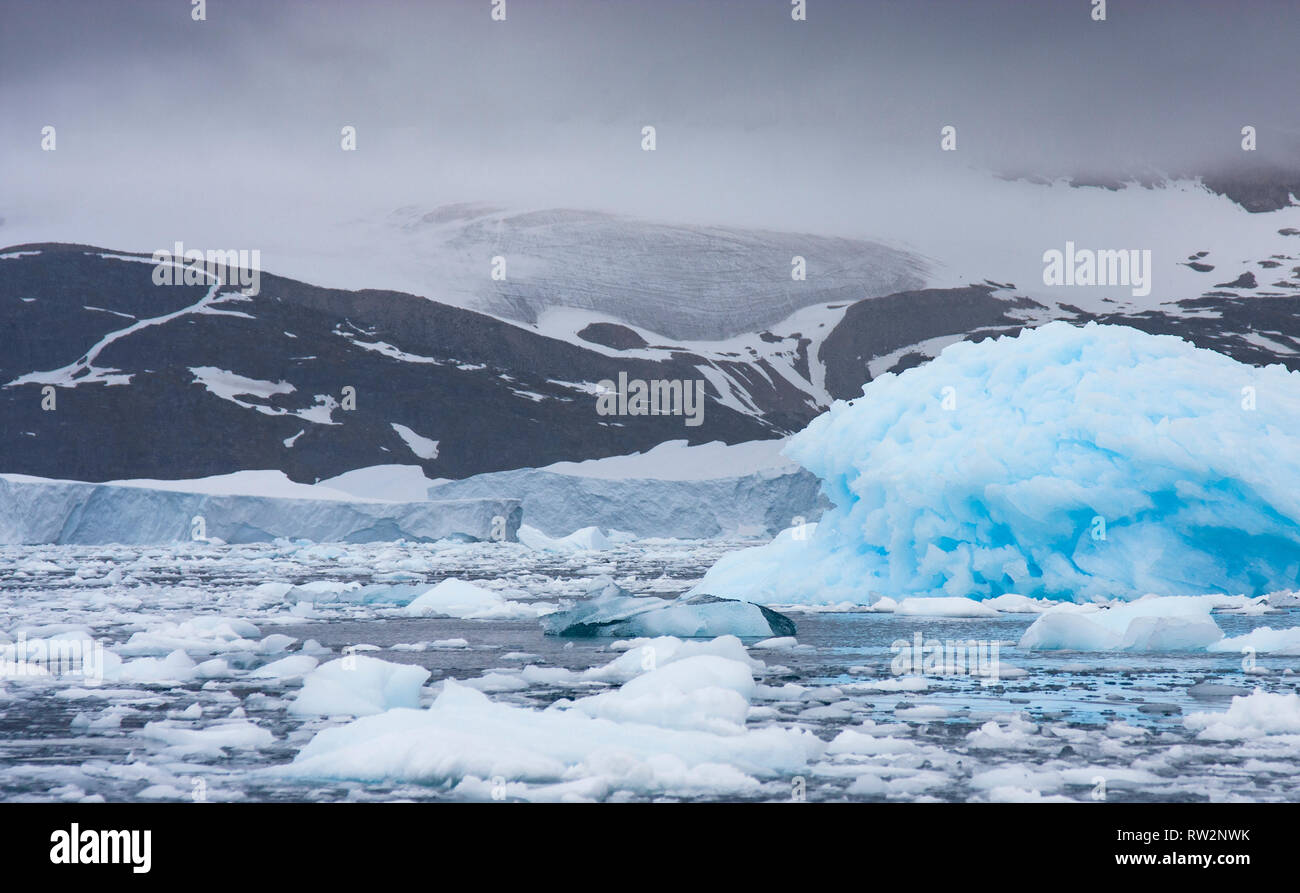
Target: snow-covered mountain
{"x": 682, "y": 281}
{"x": 167, "y": 382}
{"x": 189, "y": 381}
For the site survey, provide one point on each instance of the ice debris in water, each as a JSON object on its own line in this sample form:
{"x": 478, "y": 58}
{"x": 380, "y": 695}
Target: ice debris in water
{"x": 1072, "y": 463}
{"x": 676, "y": 725}
{"x": 610, "y": 610}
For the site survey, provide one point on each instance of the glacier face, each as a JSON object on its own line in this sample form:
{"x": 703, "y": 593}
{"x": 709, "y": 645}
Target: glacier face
{"x": 1072, "y": 463}
{"x": 683, "y": 281}
{"x": 674, "y": 490}
{"x": 41, "y": 511}
{"x": 755, "y": 504}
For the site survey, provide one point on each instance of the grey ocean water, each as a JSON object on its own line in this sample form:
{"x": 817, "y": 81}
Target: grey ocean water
{"x": 1075, "y": 725}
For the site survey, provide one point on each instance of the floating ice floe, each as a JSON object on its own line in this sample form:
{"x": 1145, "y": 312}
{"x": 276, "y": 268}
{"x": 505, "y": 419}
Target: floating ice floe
{"x": 1071, "y": 463}
{"x": 175, "y": 667}
{"x": 1252, "y": 716}
{"x": 678, "y": 728}
{"x": 357, "y": 685}
{"x": 1264, "y": 640}
{"x": 436, "y": 645}
{"x": 206, "y": 634}
{"x": 465, "y": 601}
{"x": 1174, "y": 623}
{"x": 941, "y": 606}
{"x": 704, "y": 692}
{"x": 641, "y": 654}
{"x": 211, "y": 740}
{"x": 610, "y": 610}
{"x": 286, "y": 667}
{"x": 350, "y": 592}
{"x": 340, "y": 592}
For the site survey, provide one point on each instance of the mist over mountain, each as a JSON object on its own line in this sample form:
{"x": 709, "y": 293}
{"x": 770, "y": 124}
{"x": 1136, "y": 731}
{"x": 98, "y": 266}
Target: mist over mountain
{"x": 179, "y": 381}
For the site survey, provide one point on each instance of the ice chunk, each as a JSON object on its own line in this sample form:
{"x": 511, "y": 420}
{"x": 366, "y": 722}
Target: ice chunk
{"x": 777, "y": 643}
{"x": 587, "y": 539}
{"x": 860, "y": 741}
{"x": 320, "y": 592}
{"x": 1174, "y": 623}
{"x": 642, "y": 655}
{"x": 324, "y": 592}
{"x": 464, "y": 737}
{"x": 200, "y": 635}
{"x": 286, "y": 667}
{"x": 176, "y": 667}
{"x": 1018, "y": 735}
{"x": 950, "y": 606}
{"x": 436, "y": 644}
{"x": 239, "y": 733}
{"x": 1264, "y": 640}
{"x": 1072, "y": 463}
{"x": 612, "y": 611}
{"x": 1253, "y": 716}
{"x": 457, "y": 598}
{"x": 703, "y": 692}
{"x": 274, "y": 643}
{"x": 357, "y": 685}
{"x": 1018, "y": 604}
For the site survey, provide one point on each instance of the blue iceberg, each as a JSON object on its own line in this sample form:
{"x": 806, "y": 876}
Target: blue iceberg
{"x": 1071, "y": 463}
{"x": 610, "y": 610}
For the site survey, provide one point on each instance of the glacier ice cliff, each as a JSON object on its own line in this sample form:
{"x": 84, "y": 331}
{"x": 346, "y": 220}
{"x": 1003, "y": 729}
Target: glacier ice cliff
{"x": 760, "y": 503}
{"x": 41, "y": 511}
{"x": 1070, "y": 463}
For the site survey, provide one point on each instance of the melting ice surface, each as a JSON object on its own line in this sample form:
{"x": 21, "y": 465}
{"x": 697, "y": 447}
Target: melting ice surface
{"x": 1068, "y": 463}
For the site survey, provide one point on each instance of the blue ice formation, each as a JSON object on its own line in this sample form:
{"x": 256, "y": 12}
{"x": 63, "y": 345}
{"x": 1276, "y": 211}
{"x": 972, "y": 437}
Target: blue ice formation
{"x": 610, "y": 610}
{"x": 1072, "y": 463}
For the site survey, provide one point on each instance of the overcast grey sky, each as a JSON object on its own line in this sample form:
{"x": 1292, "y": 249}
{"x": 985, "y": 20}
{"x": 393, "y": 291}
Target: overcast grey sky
{"x": 754, "y": 112}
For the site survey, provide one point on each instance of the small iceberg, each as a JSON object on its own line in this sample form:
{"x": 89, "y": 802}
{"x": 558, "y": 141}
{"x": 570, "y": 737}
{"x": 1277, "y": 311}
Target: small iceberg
{"x": 359, "y": 686}
{"x": 587, "y": 539}
{"x": 465, "y": 601}
{"x": 1173, "y": 623}
{"x": 611, "y": 610}
{"x": 1253, "y": 716}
